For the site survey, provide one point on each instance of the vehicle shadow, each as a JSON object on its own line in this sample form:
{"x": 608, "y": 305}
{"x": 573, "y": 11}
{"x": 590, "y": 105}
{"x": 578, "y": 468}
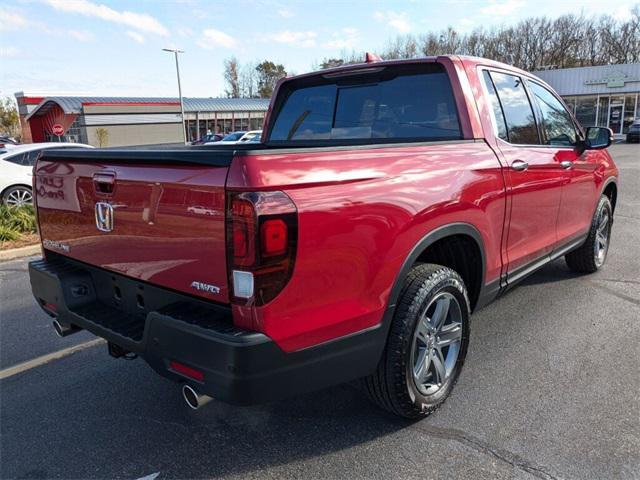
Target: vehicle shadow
{"x": 556, "y": 271}
{"x": 60, "y": 428}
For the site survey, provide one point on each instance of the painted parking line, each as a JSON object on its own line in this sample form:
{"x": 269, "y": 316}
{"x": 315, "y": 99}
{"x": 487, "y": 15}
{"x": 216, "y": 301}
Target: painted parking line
{"x": 50, "y": 357}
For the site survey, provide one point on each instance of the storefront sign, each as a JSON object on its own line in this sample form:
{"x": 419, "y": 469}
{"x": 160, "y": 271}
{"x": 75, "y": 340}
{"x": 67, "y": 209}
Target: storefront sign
{"x": 613, "y": 80}
{"x": 57, "y": 130}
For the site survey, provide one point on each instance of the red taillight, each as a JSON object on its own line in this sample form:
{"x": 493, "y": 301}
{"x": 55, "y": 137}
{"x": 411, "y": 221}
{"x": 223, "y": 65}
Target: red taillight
{"x": 243, "y": 231}
{"x": 273, "y": 237}
{"x": 186, "y": 370}
{"x": 262, "y": 229}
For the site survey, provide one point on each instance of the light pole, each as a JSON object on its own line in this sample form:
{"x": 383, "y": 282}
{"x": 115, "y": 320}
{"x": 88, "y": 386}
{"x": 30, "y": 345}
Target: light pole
{"x": 175, "y": 51}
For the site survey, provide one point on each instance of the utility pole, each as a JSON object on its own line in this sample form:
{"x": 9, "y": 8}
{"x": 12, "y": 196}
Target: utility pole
{"x": 175, "y": 51}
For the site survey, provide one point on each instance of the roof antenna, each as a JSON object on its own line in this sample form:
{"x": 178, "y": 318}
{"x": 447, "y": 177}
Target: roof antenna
{"x": 372, "y": 58}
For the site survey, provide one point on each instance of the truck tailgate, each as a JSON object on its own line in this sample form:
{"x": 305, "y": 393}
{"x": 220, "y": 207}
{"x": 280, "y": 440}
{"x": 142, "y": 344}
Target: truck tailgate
{"x": 156, "y": 216}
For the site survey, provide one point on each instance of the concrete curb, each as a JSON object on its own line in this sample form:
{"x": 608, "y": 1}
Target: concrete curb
{"x": 19, "y": 252}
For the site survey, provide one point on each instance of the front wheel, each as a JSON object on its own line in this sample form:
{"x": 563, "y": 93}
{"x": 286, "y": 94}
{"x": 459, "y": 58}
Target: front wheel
{"x": 427, "y": 344}
{"x": 589, "y": 257}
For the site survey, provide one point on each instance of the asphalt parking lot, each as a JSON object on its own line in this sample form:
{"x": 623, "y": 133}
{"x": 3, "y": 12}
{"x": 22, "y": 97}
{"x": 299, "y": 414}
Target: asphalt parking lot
{"x": 551, "y": 389}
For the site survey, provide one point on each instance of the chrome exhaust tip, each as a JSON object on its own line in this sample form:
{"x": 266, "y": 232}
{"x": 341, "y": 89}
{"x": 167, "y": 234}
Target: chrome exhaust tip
{"x": 64, "y": 330}
{"x": 194, "y": 399}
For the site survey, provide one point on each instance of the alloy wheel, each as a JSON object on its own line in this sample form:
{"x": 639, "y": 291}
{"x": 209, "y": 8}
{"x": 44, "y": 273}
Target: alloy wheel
{"x": 436, "y": 343}
{"x": 19, "y": 197}
{"x": 601, "y": 244}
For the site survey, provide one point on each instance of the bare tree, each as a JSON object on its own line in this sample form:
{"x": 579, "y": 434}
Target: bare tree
{"x": 538, "y": 42}
{"x": 232, "y": 82}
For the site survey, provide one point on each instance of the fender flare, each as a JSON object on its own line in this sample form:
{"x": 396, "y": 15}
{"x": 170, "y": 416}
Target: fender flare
{"x": 426, "y": 241}
{"x": 606, "y": 184}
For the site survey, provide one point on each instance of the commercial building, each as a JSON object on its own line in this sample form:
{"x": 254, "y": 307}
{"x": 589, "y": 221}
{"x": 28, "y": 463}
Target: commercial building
{"x": 121, "y": 121}
{"x": 603, "y": 96}
{"x": 607, "y": 96}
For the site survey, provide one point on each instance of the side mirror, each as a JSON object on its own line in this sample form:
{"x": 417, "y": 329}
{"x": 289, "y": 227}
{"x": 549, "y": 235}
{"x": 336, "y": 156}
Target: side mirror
{"x": 597, "y": 138}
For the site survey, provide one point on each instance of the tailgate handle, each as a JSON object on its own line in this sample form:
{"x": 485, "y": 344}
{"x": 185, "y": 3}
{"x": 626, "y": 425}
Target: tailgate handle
{"x": 104, "y": 182}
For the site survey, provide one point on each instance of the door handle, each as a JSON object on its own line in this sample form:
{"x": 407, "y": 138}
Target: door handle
{"x": 566, "y": 164}
{"x": 519, "y": 165}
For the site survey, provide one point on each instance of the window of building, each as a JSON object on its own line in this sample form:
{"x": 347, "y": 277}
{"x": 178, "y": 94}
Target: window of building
{"x": 521, "y": 123}
{"x": 603, "y": 112}
{"x": 571, "y": 103}
{"x": 241, "y": 124}
{"x": 394, "y": 104}
{"x": 629, "y": 110}
{"x": 256, "y": 123}
{"x": 586, "y": 110}
{"x": 557, "y": 125}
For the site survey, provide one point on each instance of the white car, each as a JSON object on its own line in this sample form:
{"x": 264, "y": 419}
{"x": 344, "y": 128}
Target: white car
{"x": 16, "y": 170}
{"x": 239, "y": 137}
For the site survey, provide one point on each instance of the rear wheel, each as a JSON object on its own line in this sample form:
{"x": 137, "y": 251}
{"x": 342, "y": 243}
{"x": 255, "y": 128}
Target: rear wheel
{"x": 17, "y": 196}
{"x": 427, "y": 344}
{"x": 593, "y": 252}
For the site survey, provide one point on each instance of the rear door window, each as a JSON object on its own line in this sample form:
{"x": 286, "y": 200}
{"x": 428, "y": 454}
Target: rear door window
{"x": 397, "y": 103}
{"x": 518, "y": 113}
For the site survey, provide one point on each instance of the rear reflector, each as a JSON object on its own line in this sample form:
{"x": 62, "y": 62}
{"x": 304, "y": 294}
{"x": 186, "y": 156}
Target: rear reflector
{"x": 187, "y": 371}
{"x": 50, "y": 307}
{"x": 243, "y": 284}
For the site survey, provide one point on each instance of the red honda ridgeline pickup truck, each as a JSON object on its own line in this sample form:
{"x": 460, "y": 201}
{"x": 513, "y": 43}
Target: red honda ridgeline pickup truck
{"x": 386, "y": 203}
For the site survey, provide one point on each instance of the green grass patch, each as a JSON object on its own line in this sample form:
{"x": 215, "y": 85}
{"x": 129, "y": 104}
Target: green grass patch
{"x": 15, "y": 221}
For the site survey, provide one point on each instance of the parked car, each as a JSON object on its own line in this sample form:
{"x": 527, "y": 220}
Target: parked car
{"x": 16, "y": 170}
{"x": 633, "y": 134}
{"x": 200, "y": 210}
{"x": 231, "y": 138}
{"x": 8, "y": 140}
{"x": 252, "y": 136}
{"x": 208, "y": 138}
{"x": 387, "y": 203}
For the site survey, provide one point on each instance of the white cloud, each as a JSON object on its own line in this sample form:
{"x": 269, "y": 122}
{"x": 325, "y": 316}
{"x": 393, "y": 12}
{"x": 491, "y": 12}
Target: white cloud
{"x": 9, "y": 52}
{"x": 623, "y": 13}
{"x": 137, "y": 21}
{"x": 212, "y": 38}
{"x": 137, "y": 37}
{"x": 80, "y": 35}
{"x": 12, "y": 20}
{"x": 501, "y": 9}
{"x": 185, "y": 32}
{"x": 347, "y": 38}
{"x": 286, "y": 13}
{"x": 397, "y": 20}
{"x": 301, "y": 39}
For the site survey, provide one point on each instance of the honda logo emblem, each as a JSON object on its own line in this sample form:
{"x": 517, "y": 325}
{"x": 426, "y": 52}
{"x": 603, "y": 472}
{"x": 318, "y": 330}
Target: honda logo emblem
{"x": 104, "y": 216}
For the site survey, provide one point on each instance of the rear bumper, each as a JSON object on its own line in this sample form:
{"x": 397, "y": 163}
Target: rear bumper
{"x": 162, "y": 326}
{"x": 633, "y": 137}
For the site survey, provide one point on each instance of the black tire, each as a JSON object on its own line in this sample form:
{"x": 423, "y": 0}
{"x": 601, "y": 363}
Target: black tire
{"x": 12, "y": 196}
{"x": 585, "y": 258}
{"x": 393, "y": 386}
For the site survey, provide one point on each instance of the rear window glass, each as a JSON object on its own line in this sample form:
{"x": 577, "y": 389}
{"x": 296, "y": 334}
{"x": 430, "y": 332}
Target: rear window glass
{"x": 409, "y": 103}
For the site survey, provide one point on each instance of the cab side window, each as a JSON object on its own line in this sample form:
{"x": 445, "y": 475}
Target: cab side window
{"x": 498, "y": 115}
{"x": 518, "y": 113}
{"x": 557, "y": 125}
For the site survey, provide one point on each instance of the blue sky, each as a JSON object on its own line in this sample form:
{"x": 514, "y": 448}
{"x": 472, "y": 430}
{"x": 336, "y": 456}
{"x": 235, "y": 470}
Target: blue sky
{"x": 102, "y": 47}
